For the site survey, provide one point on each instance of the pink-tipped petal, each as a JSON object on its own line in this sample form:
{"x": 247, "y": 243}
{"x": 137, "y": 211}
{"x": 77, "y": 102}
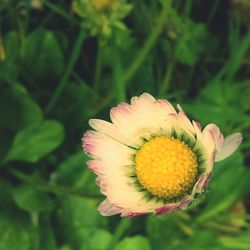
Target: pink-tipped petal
{"x": 96, "y": 166}
{"x": 102, "y": 147}
{"x": 107, "y": 129}
{"x": 231, "y": 143}
{"x": 129, "y": 214}
{"x": 207, "y": 141}
{"x": 165, "y": 106}
{"x": 177, "y": 122}
{"x": 217, "y": 135}
{"x": 108, "y": 209}
{"x": 202, "y": 183}
{"x": 153, "y": 118}
{"x": 100, "y": 181}
{"x": 184, "y": 121}
{"x": 168, "y": 208}
{"x": 197, "y": 128}
{"x": 143, "y": 98}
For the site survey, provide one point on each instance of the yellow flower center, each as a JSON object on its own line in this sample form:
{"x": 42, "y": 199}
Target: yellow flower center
{"x": 166, "y": 167}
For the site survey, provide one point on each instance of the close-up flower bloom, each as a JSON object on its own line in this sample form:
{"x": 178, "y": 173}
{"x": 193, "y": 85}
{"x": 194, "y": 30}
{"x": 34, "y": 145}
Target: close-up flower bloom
{"x": 151, "y": 158}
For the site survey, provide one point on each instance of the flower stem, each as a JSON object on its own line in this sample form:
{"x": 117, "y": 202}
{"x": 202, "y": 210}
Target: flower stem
{"x": 167, "y": 78}
{"x": 52, "y": 188}
{"x": 119, "y": 84}
{"x": 151, "y": 40}
{"x": 59, "y": 11}
{"x": 123, "y": 225}
{"x": 68, "y": 70}
{"x": 98, "y": 69}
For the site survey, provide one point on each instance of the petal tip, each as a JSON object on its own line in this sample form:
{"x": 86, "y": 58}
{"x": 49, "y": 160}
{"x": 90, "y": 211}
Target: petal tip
{"x": 231, "y": 144}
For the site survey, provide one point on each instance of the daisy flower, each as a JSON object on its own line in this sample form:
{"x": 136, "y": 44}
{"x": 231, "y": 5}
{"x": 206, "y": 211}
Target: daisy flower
{"x": 151, "y": 158}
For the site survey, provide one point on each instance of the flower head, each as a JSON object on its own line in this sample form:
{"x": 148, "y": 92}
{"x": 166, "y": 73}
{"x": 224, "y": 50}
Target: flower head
{"x": 102, "y": 4}
{"x": 152, "y": 159}
{"x": 101, "y": 17}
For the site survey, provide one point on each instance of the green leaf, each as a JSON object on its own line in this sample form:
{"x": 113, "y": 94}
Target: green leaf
{"x": 215, "y": 100}
{"x": 47, "y": 238}
{"x": 179, "y": 231}
{"x": 170, "y": 236}
{"x": 66, "y": 247}
{"x": 99, "y": 240}
{"x": 229, "y": 184}
{"x": 71, "y": 108}
{"x": 31, "y": 199}
{"x": 192, "y": 42}
{"x": 42, "y": 56}
{"x": 73, "y": 171}
{"x": 32, "y": 144}
{"x": 79, "y": 212}
{"x": 14, "y": 231}
{"x": 239, "y": 242}
{"x": 9, "y": 67}
{"x": 5, "y": 196}
{"x": 201, "y": 239}
{"x": 15, "y": 100}
{"x": 78, "y": 220}
{"x": 136, "y": 242}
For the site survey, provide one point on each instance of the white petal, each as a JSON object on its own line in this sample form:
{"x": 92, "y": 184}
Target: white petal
{"x": 231, "y": 143}
{"x": 184, "y": 122}
{"x": 178, "y": 123}
{"x": 107, "y": 128}
{"x": 217, "y": 135}
{"x": 105, "y": 149}
{"x": 142, "y": 119}
{"x": 206, "y": 144}
{"x": 113, "y": 163}
{"x": 145, "y": 97}
{"x": 108, "y": 209}
{"x": 197, "y": 128}
{"x": 121, "y": 192}
{"x": 166, "y": 107}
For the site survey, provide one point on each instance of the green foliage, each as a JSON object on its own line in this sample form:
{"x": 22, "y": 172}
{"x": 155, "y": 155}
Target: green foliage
{"x": 65, "y": 63}
{"x": 9, "y": 67}
{"x": 15, "y": 231}
{"x": 241, "y": 242}
{"x": 136, "y": 242}
{"x": 224, "y": 196}
{"x": 30, "y": 199}
{"x": 171, "y": 235}
{"x": 217, "y": 97}
{"x": 79, "y": 221}
{"x": 47, "y": 238}
{"x": 190, "y": 42}
{"x": 41, "y": 56}
{"x": 32, "y": 144}
{"x": 15, "y": 100}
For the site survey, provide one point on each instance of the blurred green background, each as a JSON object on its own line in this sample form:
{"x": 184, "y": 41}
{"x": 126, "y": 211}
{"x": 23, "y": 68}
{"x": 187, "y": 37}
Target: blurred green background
{"x": 64, "y": 62}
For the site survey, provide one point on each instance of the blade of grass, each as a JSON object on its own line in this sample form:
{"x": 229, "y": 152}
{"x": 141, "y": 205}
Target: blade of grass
{"x": 167, "y": 78}
{"x": 59, "y": 11}
{"x": 98, "y": 69}
{"x": 123, "y": 225}
{"x": 119, "y": 85}
{"x": 72, "y": 61}
{"x": 150, "y": 42}
{"x": 238, "y": 48}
